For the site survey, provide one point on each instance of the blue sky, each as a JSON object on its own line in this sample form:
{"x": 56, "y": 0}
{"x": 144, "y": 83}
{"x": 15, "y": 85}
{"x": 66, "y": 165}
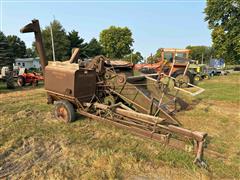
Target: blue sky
{"x": 154, "y": 24}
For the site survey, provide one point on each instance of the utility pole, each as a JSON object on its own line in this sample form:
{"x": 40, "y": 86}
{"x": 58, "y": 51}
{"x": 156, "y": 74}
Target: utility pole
{"x": 52, "y": 43}
{"x": 202, "y": 58}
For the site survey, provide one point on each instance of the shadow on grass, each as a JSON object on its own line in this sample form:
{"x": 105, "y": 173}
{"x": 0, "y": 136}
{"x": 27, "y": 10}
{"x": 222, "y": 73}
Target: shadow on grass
{"x": 3, "y": 88}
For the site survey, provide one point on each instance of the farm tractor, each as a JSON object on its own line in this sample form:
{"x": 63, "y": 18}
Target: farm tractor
{"x": 101, "y": 90}
{"x": 6, "y": 66}
{"x": 173, "y": 62}
{"x": 199, "y": 71}
{"x": 28, "y": 78}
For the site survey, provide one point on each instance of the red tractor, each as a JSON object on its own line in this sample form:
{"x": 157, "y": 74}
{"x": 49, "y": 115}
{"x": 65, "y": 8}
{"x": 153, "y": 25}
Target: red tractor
{"x": 28, "y": 78}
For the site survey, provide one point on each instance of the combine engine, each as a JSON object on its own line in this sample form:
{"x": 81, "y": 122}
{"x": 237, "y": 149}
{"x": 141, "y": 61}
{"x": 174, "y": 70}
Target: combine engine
{"x": 106, "y": 92}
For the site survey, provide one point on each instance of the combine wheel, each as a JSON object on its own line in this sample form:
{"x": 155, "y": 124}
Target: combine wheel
{"x": 206, "y": 76}
{"x": 182, "y": 80}
{"x": 21, "y": 81}
{"x": 64, "y": 111}
{"x": 196, "y": 79}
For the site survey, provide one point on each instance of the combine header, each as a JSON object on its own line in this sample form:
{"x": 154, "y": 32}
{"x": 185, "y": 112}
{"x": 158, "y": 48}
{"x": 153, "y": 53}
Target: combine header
{"x": 108, "y": 92}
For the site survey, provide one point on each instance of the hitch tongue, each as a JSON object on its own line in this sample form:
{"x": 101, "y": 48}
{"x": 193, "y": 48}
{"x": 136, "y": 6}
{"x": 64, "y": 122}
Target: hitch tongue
{"x": 199, "y": 158}
{"x": 199, "y": 138}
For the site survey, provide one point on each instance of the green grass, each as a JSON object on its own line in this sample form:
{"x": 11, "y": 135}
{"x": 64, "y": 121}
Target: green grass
{"x": 34, "y": 145}
{"x": 226, "y": 89}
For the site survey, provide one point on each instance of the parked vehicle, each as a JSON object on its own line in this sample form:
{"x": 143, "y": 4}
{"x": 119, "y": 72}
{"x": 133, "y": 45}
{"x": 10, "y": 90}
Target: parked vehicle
{"x": 173, "y": 62}
{"x": 216, "y": 72}
{"x": 199, "y": 71}
{"x": 28, "y": 78}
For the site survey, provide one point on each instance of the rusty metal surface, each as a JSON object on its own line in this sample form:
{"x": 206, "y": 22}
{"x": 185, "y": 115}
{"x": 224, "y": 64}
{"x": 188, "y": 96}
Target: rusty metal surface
{"x": 35, "y": 27}
{"x": 152, "y": 128}
{"x": 75, "y": 55}
{"x": 120, "y": 63}
{"x": 71, "y": 81}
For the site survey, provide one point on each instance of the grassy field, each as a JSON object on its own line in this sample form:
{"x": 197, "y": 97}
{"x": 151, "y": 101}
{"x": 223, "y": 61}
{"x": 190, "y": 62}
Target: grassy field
{"x": 34, "y": 145}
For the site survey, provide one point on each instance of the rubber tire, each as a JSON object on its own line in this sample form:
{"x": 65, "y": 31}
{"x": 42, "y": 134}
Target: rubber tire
{"x": 10, "y": 80}
{"x": 179, "y": 72}
{"x": 68, "y": 107}
{"x": 206, "y": 77}
{"x": 23, "y": 80}
{"x": 197, "y": 79}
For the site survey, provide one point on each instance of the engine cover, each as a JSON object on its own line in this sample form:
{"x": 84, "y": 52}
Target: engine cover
{"x": 68, "y": 79}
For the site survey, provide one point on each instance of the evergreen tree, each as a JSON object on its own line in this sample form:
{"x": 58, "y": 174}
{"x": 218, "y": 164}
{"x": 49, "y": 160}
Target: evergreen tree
{"x": 61, "y": 42}
{"x": 76, "y": 42}
{"x": 17, "y": 46}
{"x": 5, "y": 53}
{"x": 94, "y": 48}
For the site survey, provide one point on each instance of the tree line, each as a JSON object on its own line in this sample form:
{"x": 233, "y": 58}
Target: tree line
{"x": 116, "y": 42}
{"x": 16, "y": 47}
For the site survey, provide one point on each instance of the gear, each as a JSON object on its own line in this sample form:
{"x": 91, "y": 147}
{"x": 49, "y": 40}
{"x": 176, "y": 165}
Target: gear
{"x": 107, "y": 76}
{"x": 121, "y": 79}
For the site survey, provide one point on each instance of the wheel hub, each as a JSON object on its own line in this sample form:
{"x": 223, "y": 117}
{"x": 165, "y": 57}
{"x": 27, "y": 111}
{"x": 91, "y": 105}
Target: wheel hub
{"x": 182, "y": 81}
{"x": 62, "y": 114}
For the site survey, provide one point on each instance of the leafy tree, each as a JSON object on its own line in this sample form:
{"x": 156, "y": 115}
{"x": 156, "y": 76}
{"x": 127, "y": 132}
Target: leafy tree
{"x": 223, "y": 19}
{"x": 94, "y": 48}
{"x": 199, "y": 52}
{"x": 134, "y": 57}
{"x": 30, "y": 53}
{"x": 116, "y": 41}
{"x": 151, "y": 59}
{"x": 158, "y": 53}
{"x": 18, "y": 47}
{"x": 61, "y": 41}
{"x": 76, "y": 42}
{"x": 155, "y": 58}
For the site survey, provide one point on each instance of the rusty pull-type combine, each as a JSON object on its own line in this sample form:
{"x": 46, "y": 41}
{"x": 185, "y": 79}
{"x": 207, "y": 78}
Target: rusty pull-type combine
{"x": 106, "y": 91}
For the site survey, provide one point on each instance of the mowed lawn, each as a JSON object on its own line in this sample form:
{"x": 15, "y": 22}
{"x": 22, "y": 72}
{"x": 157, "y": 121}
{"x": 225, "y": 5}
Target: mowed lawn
{"x": 35, "y": 145}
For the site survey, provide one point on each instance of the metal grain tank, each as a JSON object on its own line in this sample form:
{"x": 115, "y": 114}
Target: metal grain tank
{"x": 70, "y": 80}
